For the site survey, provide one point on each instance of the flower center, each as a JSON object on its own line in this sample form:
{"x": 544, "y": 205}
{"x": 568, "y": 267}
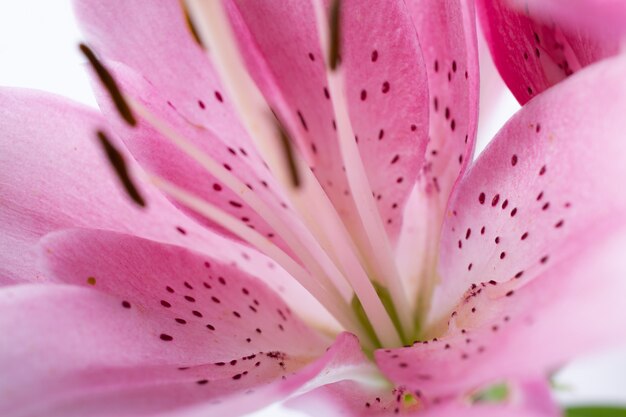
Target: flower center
{"x": 350, "y": 268}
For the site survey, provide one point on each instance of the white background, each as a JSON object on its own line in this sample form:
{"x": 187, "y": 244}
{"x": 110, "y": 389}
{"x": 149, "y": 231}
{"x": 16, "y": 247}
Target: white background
{"x": 38, "y": 49}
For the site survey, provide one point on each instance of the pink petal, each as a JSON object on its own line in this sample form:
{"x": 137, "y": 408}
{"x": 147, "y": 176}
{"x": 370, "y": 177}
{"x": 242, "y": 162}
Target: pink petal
{"x": 342, "y": 358}
{"x": 254, "y": 263}
{"x": 536, "y": 395}
{"x": 386, "y": 91}
{"x": 533, "y": 54}
{"x": 540, "y": 191}
{"x": 527, "y": 200}
{"x": 77, "y": 352}
{"x": 507, "y": 331}
{"x": 351, "y": 398}
{"x": 447, "y": 33}
{"x": 117, "y": 346}
{"x": 54, "y": 175}
{"x": 601, "y": 17}
{"x": 173, "y": 282}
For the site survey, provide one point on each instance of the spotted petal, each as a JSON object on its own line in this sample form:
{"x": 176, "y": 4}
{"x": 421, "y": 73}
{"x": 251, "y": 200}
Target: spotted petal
{"x": 533, "y": 54}
{"x": 526, "y": 214}
{"x": 154, "y": 328}
{"x": 539, "y": 186}
{"x": 91, "y": 358}
{"x": 386, "y": 92}
{"x": 507, "y": 331}
{"x": 447, "y": 34}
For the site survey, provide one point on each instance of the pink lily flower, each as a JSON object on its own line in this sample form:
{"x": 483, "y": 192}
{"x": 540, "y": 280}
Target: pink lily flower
{"x": 340, "y": 250}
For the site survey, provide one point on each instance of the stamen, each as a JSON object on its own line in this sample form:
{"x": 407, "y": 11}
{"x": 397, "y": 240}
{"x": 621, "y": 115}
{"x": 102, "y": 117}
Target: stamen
{"x": 116, "y": 159}
{"x": 190, "y": 25}
{"x": 313, "y": 257}
{"x": 289, "y": 153}
{"x": 378, "y": 247}
{"x": 109, "y": 83}
{"x": 334, "y": 22}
